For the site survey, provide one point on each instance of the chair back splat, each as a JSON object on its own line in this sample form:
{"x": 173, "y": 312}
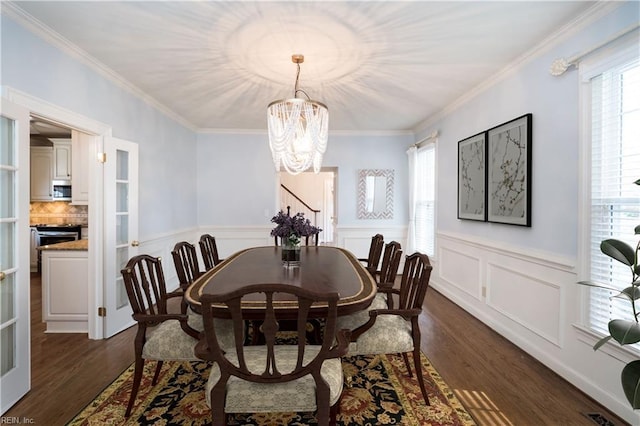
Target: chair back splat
{"x": 390, "y": 263}
{"x": 145, "y": 285}
{"x": 273, "y": 364}
{"x": 209, "y": 251}
{"x": 185, "y": 260}
{"x": 375, "y": 252}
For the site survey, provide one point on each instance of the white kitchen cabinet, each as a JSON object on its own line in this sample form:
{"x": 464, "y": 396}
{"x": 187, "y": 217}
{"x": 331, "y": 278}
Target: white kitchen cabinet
{"x": 41, "y": 173}
{"x": 65, "y": 291}
{"x": 80, "y": 144}
{"x": 61, "y": 159}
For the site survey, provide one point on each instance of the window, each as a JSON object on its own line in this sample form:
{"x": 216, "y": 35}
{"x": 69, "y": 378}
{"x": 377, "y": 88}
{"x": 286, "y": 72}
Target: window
{"x": 614, "y": 92}
{"x": 425, "y": 200}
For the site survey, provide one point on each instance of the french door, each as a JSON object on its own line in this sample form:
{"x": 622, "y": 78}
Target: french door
{"x": 121, "y": 228}
{"x": 15, "y": 357}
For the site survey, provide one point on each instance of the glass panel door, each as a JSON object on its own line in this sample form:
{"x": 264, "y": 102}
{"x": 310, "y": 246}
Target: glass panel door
{"x": 14, "y": 254}
{"x": 121, "y": 226}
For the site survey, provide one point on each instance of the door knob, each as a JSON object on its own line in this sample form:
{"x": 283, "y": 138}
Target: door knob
{"x": 2, "y": 276}
{"x": 135, "y": 243}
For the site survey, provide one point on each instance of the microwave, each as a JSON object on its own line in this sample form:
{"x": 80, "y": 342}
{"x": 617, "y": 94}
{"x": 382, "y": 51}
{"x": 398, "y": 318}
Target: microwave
{"x": 61, "y": 190}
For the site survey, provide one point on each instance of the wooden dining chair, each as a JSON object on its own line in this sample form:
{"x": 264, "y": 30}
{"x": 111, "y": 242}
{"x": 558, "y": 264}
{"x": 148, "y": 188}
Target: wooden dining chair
{"x": 209, "y": 251}
{"x": 273, "y": 377}
{"x": 185, "y": 260}
{"x": 386, "y": 276}
{"x": 161, "y": 335}
{"x": 375, "y": 251}
{"x": 390, "y": 329}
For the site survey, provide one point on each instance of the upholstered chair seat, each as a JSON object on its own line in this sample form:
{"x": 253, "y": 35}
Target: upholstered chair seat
{"x": 296, "y": 396}
{"x": 168, "y": 342}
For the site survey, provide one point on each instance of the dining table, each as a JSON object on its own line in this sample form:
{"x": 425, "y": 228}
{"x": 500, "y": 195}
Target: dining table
{"x": 321, "y": 269}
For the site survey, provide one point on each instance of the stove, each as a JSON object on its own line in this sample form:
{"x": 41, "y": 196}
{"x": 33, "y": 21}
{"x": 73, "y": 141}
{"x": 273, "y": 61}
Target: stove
{"x": 55, "y": 233}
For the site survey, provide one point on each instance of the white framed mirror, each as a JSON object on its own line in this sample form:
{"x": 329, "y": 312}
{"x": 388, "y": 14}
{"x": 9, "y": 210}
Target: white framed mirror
{"x": 375, "y": 194}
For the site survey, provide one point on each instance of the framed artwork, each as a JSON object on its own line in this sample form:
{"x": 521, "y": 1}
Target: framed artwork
{"x": 472, "y": 178}
{"x": 509, "y": 172}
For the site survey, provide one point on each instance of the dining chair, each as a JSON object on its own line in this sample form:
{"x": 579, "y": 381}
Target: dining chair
{"x": 161, "y": 335}
{"x": 375, "y": 251}
{"x": 386, "y": 276}
{"x": 389, "y": 329}
{"x": 273, "y": 377}
{"x": 209, "y": 251}
{"x": 185, "y": 260}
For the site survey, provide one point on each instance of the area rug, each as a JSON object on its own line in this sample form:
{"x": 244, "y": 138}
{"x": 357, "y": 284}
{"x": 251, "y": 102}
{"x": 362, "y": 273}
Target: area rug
{"x": 380, "y": 393}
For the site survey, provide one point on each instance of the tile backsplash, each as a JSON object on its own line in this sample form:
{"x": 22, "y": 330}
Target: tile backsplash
{"x": 58, "y": 212}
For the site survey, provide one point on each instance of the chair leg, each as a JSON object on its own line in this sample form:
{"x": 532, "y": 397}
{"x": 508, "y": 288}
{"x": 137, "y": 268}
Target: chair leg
{"x": 333, "y": 414}
{"x": 137, "y": 377}
{"x": 406, "y": 362}
{"x": 157, "y": 373}
{"x": 418, "y": 365}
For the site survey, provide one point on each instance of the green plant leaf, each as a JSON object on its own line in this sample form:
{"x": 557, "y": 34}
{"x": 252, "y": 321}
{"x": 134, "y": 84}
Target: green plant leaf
{"x": 601, "y": 342}
{"x": 637, "y": 229}
{"x": 630, "y": 378}
{"x": 637, "y": 182}
{"x": 598, "y": 285}
{"x": 618, "y": 250}
{"x": 625, "y": 332}
{"x": 633, "y": 292}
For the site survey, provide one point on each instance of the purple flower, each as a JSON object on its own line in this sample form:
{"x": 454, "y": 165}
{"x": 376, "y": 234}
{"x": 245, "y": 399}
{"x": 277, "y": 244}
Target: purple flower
{"x": 292, "y": 227}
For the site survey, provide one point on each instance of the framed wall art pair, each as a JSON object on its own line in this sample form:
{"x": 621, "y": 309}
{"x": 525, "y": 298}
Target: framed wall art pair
{"x": 494, "y": 174}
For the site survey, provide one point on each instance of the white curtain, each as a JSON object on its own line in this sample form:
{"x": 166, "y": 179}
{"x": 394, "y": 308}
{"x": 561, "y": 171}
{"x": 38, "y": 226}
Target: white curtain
{"x": 412, "y": 153}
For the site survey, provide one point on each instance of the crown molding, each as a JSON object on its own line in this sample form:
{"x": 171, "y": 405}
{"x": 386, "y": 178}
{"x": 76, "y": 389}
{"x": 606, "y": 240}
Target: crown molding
{"x": 263, "y": 132}
{"x": 50, "y": 36}
{"x": 597, "y": 11}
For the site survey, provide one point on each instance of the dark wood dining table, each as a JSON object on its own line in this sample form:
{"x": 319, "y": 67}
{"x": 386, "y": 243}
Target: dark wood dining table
{"x": 321, "y": 269}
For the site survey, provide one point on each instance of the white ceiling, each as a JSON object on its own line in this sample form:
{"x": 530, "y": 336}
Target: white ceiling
{"x": 378, "y": 66}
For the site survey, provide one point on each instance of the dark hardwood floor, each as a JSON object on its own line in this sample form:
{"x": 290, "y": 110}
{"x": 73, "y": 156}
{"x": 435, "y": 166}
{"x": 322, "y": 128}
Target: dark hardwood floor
{"x": 497, "y": 382}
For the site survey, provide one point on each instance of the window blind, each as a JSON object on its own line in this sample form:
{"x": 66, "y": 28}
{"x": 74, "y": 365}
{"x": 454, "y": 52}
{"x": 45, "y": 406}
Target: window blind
{"x": 615, "y": 199}
{"x": 425, "y": 200}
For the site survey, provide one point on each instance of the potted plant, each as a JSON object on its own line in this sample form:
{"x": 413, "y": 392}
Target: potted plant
{"x": 290, "y": 229}
{"x": 625, "y": 331}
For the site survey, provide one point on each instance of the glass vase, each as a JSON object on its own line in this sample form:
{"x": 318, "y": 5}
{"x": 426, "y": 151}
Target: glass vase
{"x": 290, "y": 253}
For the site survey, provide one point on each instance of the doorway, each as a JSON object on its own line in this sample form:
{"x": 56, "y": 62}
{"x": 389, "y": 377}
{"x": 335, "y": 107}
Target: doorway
{"x": 313, "y": 194}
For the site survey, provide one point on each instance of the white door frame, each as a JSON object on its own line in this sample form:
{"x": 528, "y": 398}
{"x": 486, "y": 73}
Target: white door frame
{"x": 51, "y": 112}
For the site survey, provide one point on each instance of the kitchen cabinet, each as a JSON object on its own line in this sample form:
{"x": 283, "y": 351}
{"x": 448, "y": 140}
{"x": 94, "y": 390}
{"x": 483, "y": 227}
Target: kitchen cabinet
{"x": 65, "y": 288}
{"x": 41, "y": 173}
{"x": 80, "y": 162}
{"x": 61, "y": 159}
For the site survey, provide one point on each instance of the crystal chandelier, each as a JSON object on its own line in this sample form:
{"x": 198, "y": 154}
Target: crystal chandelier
{"x": 298, "y": 130}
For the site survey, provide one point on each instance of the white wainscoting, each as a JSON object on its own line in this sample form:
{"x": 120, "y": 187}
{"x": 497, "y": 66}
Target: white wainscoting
{"x": 162, "y": 245}
{"x": 501, "y": 285}
{"x": 358, "y": 239}
{"x": 532, "y": 299}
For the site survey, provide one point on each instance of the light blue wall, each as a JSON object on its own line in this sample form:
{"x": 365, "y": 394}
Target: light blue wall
{"x": 554, "y": 103}
{"x": 237, "y": 179}
{"x": 167, "y": 149}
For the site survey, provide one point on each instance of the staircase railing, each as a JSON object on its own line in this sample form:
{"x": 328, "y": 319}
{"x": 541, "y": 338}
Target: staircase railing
{"x": 289, "y": 199}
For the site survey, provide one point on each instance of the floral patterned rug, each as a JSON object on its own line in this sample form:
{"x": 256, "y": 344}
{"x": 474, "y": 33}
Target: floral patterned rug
{"x": 380, "y": 393}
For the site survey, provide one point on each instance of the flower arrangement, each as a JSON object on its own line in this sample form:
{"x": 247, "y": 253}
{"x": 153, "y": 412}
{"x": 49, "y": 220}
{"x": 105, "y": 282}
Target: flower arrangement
{"x": 291, "y": 228}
